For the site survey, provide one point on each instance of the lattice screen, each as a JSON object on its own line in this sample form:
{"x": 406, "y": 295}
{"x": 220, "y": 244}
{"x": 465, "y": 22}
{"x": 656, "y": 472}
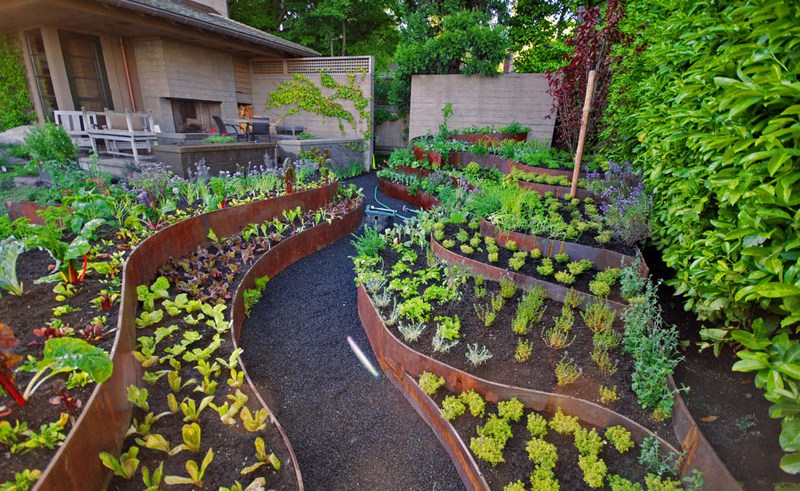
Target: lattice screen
{"x": 307, "y": 66}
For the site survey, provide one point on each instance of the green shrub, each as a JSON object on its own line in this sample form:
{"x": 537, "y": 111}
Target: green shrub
{"x": 475, "y": 403}
{"x": 50, "y": 144}
{"x": 704, "y": 102}
{"x": 537, "y": 425}
{"x": 496, "y": 428}
{"x": 511, "y": 410}
{"x": 452, "y": 407}
{"x": 14, "y": 95}
{"x": 430, "y": 383}
{"x": 487, "y": 449}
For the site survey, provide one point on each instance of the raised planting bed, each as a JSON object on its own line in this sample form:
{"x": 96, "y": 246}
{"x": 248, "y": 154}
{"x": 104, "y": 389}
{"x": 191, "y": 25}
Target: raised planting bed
{"x": 218, "y": 157}
{"x": 402, "y": 364}
{"x": 400, "y": 191}
{"x": 601, "y": 258}
{"x": 75, "y": 465}
{"x": 510, "y": 442}
{"x": 554, "y": 290}
{"x": 490, "y": 139}
{"x": 193, "y": 281}
{"x": 466, "y": 320}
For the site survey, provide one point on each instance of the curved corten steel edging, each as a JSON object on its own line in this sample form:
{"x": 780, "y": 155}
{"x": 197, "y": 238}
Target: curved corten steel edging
{"x": 450, "y": 439}
{"x": 105, "y": 418}
{"x": 270, "y": 264}
{"x": 397, "y": 359}
{"x": 558, "y": 191}
{"x": 494, "y": 273}
{"x": 601, "y": 258}
{"x": 699, "y": 453}
{"x": 400, "y": 191}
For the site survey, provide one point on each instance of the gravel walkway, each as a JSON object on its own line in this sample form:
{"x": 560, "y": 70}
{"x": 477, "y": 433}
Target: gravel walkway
{"x": 349, "y": 430}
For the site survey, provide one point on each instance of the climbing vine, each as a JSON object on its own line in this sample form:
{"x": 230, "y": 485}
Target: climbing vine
{"x": 14, "y": 96}
{"x": 303, "y": 94}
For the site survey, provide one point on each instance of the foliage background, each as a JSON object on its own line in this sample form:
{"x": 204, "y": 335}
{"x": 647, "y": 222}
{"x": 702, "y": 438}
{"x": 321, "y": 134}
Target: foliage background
{"x": 14, "y": 96}
{"x": 705, "y": 99}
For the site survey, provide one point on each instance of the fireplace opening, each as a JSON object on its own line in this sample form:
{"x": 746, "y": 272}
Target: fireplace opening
{"x": 194, "y": 116}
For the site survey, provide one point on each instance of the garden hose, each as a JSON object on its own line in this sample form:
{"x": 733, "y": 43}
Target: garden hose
{"x": 375, "y": 195}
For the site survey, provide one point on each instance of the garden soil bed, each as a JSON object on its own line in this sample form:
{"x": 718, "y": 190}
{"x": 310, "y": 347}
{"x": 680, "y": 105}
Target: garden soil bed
{"x": 517, "y": 465}
{"x": 730, "y": 411}
{"x": 31, "y": 311}
{"x": 538, "y": 372}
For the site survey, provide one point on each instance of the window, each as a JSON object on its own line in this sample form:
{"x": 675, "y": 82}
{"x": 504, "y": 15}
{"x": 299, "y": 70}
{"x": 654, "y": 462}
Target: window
{"x": 86, "y": 71}
{"x": 44, "y": 84}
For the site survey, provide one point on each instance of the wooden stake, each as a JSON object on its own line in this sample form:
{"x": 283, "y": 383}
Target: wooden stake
{"x": 587, "y": 106}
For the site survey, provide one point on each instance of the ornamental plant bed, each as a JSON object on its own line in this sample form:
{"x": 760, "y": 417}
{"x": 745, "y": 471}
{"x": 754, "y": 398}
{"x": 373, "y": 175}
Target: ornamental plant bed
{"x": 465, "y": 316}
{"x": 545, "y": 441}
{"x": 102, "y": 250}
{"x": 491, "y": 138}
{"x": 600, "y": 257}
{"x": 196, "y": 290}
{"x": 528, "y": 272}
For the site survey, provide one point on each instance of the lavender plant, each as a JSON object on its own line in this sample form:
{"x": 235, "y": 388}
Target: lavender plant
{"x": 624, "y": 202}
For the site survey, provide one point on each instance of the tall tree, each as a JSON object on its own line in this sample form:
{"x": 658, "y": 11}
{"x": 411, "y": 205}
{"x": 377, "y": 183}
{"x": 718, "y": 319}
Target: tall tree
{"x": 441, "y": 37}
{"x": 538, "y": 31}
{"x": 332, "y": 27}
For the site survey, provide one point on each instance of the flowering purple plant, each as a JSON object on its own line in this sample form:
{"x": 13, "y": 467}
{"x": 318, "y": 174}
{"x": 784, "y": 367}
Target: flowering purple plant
{"x": 624, "y": 201}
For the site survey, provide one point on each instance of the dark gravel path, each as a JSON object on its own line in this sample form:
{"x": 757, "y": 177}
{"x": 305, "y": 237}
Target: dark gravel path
{"x": 349, "y": 430}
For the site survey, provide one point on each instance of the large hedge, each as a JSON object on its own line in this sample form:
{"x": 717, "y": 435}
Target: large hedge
{"x": 14, "y": 96}
{"x": 706, "y": 100}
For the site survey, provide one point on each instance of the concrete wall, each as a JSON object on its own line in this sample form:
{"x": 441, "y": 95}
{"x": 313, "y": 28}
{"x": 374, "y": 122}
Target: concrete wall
{"x": 315, "y": 124}
{"x": 169, "y": 69}
{"x": 482, "y": 101}
{"x": 391, "y": 135}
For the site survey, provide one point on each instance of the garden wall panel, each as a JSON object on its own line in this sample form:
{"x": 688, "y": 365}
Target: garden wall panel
{"x": 481, "y": 101}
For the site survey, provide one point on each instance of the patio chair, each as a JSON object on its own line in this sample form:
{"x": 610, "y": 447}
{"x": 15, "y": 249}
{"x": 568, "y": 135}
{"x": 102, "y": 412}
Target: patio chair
{"x": 230, "y": 129}
{"x": 260, "y": 130}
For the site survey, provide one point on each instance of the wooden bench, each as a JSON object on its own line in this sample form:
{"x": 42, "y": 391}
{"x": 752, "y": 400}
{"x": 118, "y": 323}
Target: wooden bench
{"x": 134, "y": 131}
{"x": 77, "y": 125}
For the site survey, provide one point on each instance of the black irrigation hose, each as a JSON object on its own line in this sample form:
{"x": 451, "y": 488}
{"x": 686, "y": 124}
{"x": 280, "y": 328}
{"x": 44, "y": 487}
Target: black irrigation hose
{"x": 350, "y": 430}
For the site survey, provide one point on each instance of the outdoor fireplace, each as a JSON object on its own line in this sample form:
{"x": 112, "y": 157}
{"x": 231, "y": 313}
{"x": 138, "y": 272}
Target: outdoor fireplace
{"x": 194, "y": 116}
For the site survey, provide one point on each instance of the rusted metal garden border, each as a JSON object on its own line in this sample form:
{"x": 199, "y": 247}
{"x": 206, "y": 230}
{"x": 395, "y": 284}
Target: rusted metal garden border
{"x": 105, "y": 418}
{"x": 400, "y": 191}
{"x": 394, "y": 359}
{"x": 403, "y": 364}
{"x": 602, "y": 258}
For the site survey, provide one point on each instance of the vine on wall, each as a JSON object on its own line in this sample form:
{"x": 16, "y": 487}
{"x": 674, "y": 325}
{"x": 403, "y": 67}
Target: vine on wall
{"x": 303, "y": 94}
{"x": 14, "y": 95}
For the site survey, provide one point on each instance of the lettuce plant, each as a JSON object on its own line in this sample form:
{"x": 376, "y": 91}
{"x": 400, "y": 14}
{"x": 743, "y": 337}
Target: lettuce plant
{"x": 10, "y": 249}
{"x": 65, "y": 355}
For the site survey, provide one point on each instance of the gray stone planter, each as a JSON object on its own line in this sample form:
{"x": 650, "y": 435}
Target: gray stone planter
{"x": 218, "y": 157}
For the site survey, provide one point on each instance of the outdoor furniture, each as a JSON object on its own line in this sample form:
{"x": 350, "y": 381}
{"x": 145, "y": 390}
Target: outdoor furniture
{"x": 125, "y": 133}
{"x": 77, "y": 124}
{"x": 259, "y": 129}
{"x": 288, "y": 130}
{"x": 229, "y": 129}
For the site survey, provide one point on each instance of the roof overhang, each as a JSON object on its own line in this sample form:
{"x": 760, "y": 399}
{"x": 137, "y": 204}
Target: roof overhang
{"x": 146, "y": 19}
